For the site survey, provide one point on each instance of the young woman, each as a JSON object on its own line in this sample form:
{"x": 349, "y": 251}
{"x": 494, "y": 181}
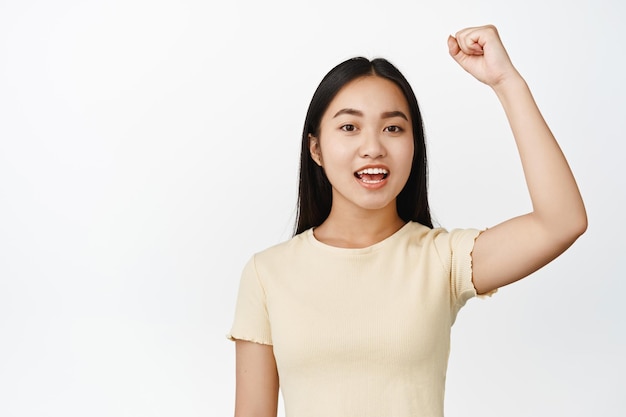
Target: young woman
{"x": 353, "y": 314}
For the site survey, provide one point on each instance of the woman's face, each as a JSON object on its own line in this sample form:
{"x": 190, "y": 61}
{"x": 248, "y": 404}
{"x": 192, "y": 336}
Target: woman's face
{"x": 365, "y": 144}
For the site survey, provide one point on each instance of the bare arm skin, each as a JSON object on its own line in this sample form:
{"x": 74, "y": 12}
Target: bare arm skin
{"x": 519, "y": 246}
{"x": 256, "y": 380}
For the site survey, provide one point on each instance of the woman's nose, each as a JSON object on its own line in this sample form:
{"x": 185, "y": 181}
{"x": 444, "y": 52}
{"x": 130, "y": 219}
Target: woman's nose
{"x": 371, "y": 146}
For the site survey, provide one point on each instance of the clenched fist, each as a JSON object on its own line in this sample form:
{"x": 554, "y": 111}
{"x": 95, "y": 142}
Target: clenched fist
{"x": 480, "y": 52}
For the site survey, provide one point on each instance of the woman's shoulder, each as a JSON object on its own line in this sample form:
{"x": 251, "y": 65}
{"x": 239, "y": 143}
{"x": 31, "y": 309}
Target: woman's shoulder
{"x": 420, "y": 231}
{"x": 284, "y": 248}
{"x": 441, "y": 239}
{"x": 420, "y": 234}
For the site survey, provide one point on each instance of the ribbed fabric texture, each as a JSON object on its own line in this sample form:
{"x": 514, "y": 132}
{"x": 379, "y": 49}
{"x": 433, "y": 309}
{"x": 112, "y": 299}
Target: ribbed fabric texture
{"x": 359, "y": 332}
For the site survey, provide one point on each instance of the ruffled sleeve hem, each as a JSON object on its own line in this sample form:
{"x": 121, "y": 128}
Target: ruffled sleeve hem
{"x": 487, "y": 294}
{"x": 254, "y": 339}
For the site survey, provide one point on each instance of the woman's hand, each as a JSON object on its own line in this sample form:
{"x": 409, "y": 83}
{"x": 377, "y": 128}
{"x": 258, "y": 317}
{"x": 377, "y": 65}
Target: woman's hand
{"x": 479, "y": 51}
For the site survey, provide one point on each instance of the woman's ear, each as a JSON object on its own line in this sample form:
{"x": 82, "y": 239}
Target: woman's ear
{"x": 314, "y": 149}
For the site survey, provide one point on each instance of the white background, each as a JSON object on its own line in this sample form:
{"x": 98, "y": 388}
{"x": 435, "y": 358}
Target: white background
{"x": 148, "y": 148}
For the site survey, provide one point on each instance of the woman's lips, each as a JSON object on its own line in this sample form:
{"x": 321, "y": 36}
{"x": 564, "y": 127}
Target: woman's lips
{"x": 372, "y": 175}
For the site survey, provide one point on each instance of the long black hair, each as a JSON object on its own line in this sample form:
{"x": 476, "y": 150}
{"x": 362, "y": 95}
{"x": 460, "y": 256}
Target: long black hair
{"x": 314, "y": 190}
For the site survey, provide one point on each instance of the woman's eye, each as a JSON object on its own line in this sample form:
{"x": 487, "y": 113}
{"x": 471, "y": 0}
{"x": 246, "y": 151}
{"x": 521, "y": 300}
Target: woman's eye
{"x": 393, "y": 129}
{"x": 348, "y": 128}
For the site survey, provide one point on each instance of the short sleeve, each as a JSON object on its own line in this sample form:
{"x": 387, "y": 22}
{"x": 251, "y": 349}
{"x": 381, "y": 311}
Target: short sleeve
{"x": 462, "y": 245}
{"x": 251, "y": 320}
{"x": 455, "y": 249}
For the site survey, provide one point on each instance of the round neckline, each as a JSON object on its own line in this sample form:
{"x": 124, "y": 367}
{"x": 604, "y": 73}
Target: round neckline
{"x": 367, "y": 249}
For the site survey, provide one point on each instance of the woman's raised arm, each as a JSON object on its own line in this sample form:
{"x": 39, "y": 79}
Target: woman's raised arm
{"x": 519, "y": 246}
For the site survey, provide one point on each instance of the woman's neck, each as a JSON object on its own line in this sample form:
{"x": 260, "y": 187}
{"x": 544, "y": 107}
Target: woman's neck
{"x": 358, "y": 229}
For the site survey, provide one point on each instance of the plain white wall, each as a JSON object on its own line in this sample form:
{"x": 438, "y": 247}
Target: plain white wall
{"x": 148, "y": 148}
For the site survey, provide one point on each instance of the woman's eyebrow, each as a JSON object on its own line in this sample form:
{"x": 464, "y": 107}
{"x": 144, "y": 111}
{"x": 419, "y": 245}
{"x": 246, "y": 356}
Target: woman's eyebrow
{"x": 352, "y": 112}
{"x": 385, "y": 115}
{"x": 396, "y": 113}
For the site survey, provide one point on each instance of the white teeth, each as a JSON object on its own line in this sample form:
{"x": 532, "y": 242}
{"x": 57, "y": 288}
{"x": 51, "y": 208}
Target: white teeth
{"x": 372, "y": 171}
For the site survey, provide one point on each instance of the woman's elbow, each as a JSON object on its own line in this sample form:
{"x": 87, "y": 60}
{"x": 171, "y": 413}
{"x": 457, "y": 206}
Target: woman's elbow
{"x": 575, "y": 227}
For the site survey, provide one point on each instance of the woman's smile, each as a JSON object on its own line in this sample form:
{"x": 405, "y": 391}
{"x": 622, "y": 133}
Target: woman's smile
{"x": 372, "y": 177}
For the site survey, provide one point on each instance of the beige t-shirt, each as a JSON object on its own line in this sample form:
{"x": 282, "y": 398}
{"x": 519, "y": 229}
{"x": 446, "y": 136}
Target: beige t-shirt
{"x": 359, "y": 332}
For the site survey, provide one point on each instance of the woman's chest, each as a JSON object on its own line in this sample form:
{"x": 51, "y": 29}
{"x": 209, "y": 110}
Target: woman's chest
{"x": 376, "y": 320}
